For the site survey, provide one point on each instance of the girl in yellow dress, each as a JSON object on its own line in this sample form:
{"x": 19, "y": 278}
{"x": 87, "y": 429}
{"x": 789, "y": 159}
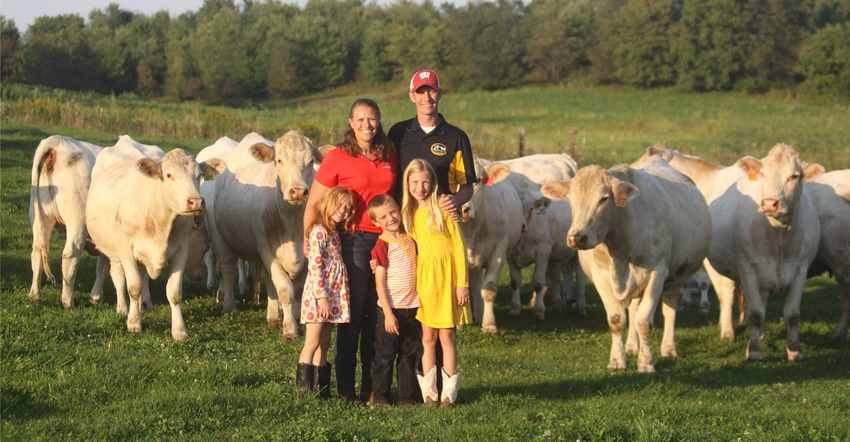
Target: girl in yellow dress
{"x": 441, "y": 280}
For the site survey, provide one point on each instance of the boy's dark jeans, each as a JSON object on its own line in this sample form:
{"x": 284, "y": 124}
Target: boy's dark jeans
{"x": 406, "y": 347}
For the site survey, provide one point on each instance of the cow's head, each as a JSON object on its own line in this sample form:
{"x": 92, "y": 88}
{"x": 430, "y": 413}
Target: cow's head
{"x": 180, "y": 175}
{"x": 595, "y": 197}
{"x": 781, "y": 174}
{"x": 488, "y": 174}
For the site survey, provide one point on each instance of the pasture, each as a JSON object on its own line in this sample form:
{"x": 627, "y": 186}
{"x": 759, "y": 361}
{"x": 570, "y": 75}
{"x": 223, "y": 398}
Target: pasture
{"x": 78, "y": 375}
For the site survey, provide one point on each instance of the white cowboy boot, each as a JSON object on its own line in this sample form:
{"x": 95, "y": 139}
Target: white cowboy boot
{"x": 428, "y": 385}
{"x": 450, "y": 387}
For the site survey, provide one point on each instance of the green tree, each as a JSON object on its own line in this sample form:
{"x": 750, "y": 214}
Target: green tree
{"x": 182, "y": 80}
{"x": 640, "y": 46}
{"x": 146, "y": 40}
{"x": 825, "y": 64}
{"x": 559, "y": 35}
{"x": 10, "y": 50}
{"x": 486, "y": 47}
{"x": 57, "y": 54}
{"x": 107, "y": 32}
{"x": 414, "y": 38}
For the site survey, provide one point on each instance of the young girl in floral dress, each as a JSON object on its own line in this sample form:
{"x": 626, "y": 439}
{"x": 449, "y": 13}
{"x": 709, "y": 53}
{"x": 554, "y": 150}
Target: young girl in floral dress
{"x": 324, "y": 301}
{"x": 441, "y": 280}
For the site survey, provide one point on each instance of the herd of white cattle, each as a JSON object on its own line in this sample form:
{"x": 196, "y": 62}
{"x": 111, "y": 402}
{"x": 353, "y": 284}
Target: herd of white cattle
{"x": 663, "y": 228}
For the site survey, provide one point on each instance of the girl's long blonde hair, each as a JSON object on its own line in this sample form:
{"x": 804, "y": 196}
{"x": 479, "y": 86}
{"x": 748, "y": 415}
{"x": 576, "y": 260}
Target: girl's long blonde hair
{"x": 432, "y": 202}
{"x": 330, "y": 202}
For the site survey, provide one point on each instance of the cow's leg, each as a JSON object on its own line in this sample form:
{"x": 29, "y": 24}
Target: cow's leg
{"x": 704, "y": 305}
{"x": 227, "y": 267}
{"x": 101, "y": 270}
{"x": 475, "y": 294}
{"x": 516, "y": 286}
{"x": 844, "y": 322}
{"x": 616, "y": 314}
{"x": 74, "y": 242}
{"x": 116, "y": 271}
{"x": 489, "y": 288}
{"x": 645, "y": 315}
{"x": 284, "y": 295}
{"x": 725, "y": 289}
{"x": 669, "y": 306}
{"x": 38, "y": 257}
{"x": 581, "y": 285}
{"x": 756, "y": 308}
{"x": 174, "y": 292}
{"x": 632, "y": 336}
{"x": 791, "y": 312}
{"x": 209, "y": 263}
{"x": 134, "y": 289}
{"x": 246, "y": 285}
{"x": 147, "y": 302}
{"x": 538, "y": 283}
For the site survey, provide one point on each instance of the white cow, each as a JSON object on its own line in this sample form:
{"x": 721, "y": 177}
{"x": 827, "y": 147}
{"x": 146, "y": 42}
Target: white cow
{"x": 264, "y": 190}
{"x": 698, "y": 285}
{"x": 220, "y": 149}
{"x": 640, "y": 234}
{"x": 491, "y": 222}
{"x": 141, "y": 209}
{"x": 544, "y": 167}
{"x": 765, "y": 235}
{"x": 830, "y": 195}
{"x": 61, "y": 174}
{"x": 543, "y": 242}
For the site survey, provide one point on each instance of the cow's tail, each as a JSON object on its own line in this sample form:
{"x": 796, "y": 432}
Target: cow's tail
{"x": 45, "y": 166}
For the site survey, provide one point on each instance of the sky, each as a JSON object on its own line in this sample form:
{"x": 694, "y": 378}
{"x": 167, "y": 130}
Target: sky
{"x": 24, "y": 12}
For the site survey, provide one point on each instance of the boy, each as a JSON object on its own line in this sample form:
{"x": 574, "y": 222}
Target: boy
{"x": 398, "y": 334}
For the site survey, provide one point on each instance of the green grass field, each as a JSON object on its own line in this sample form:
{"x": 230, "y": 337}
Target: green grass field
{"x": 78, "y": 375}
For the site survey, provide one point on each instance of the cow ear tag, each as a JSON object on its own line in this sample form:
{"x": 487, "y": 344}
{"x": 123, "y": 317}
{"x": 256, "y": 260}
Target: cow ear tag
{"x": 209, "y": 174}
{"x": 621, "y": 200}
{"x": 489, "y": 181}
{"x": 752, "y": 174}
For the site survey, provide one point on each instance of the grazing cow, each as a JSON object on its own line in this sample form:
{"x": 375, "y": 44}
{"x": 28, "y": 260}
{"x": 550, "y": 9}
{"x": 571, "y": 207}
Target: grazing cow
{"x": 491, "y": 222}
{"x": 830, "y": 195}
{"x": 699, "y": 284}
{"x": 543, "y": 242}
{"x": 142, "y": 207}
{"x": 264, "y": 190}
{"x": 765, "y": 235}
{"x": 640, "y": 234}
{"x": 61, "y": 174}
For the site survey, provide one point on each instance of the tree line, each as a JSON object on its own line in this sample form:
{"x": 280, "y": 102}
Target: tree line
{"x": 257, "y": 50}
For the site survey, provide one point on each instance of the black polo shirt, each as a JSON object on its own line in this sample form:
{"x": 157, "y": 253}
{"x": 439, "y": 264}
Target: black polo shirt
{"x": 446, "y": 148}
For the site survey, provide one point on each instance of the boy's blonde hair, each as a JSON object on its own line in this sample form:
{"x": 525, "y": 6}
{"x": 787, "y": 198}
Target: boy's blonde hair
{"x": 379, "y": 201}
{"x": 432, "y": 202}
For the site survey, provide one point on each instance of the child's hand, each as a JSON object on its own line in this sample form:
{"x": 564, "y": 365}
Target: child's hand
{"x": 391, "y": 324}
{"x": 306, "y": 246}
{"x": 324, "y": 308}
{"x": 373, "y": 264}
{"x": 462, "y": 295}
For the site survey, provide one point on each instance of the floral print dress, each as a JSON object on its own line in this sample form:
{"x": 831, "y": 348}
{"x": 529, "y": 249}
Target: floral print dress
{"x": 326, "y": 278}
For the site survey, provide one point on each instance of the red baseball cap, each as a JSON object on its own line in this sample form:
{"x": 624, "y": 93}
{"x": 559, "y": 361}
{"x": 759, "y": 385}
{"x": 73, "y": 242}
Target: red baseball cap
{"x": 425, "y": 77}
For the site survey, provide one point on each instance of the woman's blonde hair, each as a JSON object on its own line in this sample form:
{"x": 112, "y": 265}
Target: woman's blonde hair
{"x": 330, "y": 203}
{"x": 432, "y": 202}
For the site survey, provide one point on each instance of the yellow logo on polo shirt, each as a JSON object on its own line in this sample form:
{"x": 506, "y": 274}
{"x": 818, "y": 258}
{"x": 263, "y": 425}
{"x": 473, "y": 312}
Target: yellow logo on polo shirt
{"x": 438, "y": 149}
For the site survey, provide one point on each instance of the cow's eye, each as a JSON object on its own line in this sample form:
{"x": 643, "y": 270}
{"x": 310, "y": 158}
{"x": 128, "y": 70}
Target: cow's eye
{"x": 794, "y": 177}
{"x": 168, "y": 175}
{"x": 603, "y": 200}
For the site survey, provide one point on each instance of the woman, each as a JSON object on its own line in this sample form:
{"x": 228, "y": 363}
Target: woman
{"x": 364, "y": 162}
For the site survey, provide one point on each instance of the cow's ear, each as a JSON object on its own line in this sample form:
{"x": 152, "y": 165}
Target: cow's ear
{"x": 322, "y": 151}
{"x": 750, "y": 165}
{"x": 149, "y": 167}
{"x": 212, "y": 167}
{"x": 623, "y": 191}
{"x": 812, "y": 170}
{"x": 557, "y": 190}
{"x": 262, "y": 152}
{"x": 496, "y": 172}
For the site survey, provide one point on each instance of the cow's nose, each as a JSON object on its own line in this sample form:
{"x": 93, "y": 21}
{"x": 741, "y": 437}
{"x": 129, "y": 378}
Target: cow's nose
{"x": 194, "y": 204}
{"x": 297, "y": 193}
{"x": 770, "y": 205}
{"x": 577, "y": 241}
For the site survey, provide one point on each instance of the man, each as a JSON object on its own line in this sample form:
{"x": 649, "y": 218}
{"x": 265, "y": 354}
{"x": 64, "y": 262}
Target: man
{"x": 430, "y": 137}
